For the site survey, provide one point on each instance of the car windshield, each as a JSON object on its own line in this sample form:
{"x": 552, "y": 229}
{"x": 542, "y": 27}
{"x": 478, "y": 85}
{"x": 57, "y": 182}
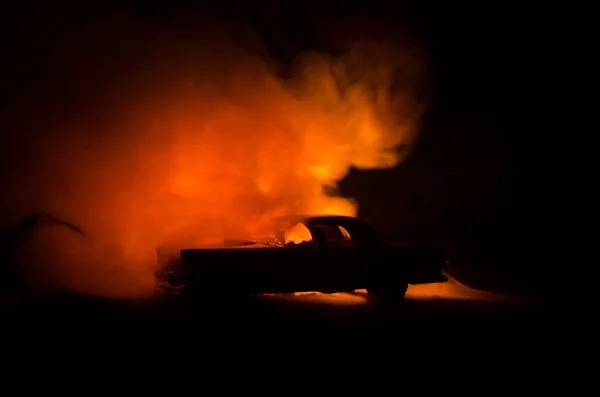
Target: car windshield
{"x": 297, "y": 234}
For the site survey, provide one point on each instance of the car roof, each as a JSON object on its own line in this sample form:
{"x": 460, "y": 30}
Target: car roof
{"x": 358, "y": 228}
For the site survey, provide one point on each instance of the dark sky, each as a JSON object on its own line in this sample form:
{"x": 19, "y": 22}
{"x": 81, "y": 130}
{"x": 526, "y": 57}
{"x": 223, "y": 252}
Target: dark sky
{"x": 484, "y": 180}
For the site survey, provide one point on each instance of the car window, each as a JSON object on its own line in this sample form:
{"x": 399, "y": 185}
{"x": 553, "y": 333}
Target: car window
{"x": 335, "y": 234}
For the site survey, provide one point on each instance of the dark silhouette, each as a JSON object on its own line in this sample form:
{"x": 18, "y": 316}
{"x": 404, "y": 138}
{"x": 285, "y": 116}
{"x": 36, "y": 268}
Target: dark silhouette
{"x": 308, "y": 253}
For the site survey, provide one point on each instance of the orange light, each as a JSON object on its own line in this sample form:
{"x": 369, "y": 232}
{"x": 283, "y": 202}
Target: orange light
{"x": 186, "y": 144}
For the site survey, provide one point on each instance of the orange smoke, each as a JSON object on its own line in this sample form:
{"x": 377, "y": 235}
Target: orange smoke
{"x": 161, "y": 140}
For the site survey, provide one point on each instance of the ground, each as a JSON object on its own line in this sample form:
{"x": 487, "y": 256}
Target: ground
{"x": 435, "y": 315}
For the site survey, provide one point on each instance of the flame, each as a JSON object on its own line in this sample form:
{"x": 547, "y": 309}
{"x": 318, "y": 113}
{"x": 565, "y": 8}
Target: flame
{"x": 181, "y": 143}
{"x": 297, "y": 234}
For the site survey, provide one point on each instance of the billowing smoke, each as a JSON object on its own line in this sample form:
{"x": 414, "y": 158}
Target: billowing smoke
{"x": 144, "y": 137}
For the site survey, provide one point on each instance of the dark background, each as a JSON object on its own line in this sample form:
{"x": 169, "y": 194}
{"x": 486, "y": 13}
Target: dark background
{"x": 488, "y": 179}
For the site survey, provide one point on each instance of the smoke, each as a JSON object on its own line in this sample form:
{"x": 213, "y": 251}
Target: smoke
{"x": 144, "y": 137}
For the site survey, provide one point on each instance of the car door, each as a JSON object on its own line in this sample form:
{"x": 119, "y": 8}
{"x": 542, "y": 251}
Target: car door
{"x": 339, "y": 264}
{"x": 294, "y": 266}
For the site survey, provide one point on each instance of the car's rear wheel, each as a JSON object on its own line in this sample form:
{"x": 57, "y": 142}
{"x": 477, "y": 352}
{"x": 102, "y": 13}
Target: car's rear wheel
{"x": 387, "y": 294}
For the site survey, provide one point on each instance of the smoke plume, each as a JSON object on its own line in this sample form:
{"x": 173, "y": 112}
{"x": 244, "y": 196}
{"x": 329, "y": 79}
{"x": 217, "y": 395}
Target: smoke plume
{"x": 144, "y": 137}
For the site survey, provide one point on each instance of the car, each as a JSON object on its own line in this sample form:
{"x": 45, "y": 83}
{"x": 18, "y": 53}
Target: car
{"x": 305, "y": 253}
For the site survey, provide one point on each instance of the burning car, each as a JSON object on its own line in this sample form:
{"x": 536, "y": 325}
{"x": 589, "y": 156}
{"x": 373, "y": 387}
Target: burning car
{"x": 305, "y": 253}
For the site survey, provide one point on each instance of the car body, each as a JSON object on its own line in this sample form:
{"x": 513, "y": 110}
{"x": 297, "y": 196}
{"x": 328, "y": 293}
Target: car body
{"x": 306, "y": 253}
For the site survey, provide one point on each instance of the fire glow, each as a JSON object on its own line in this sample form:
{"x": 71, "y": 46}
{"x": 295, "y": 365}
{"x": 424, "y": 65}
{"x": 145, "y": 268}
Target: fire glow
{"x": 179, "y": 143}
